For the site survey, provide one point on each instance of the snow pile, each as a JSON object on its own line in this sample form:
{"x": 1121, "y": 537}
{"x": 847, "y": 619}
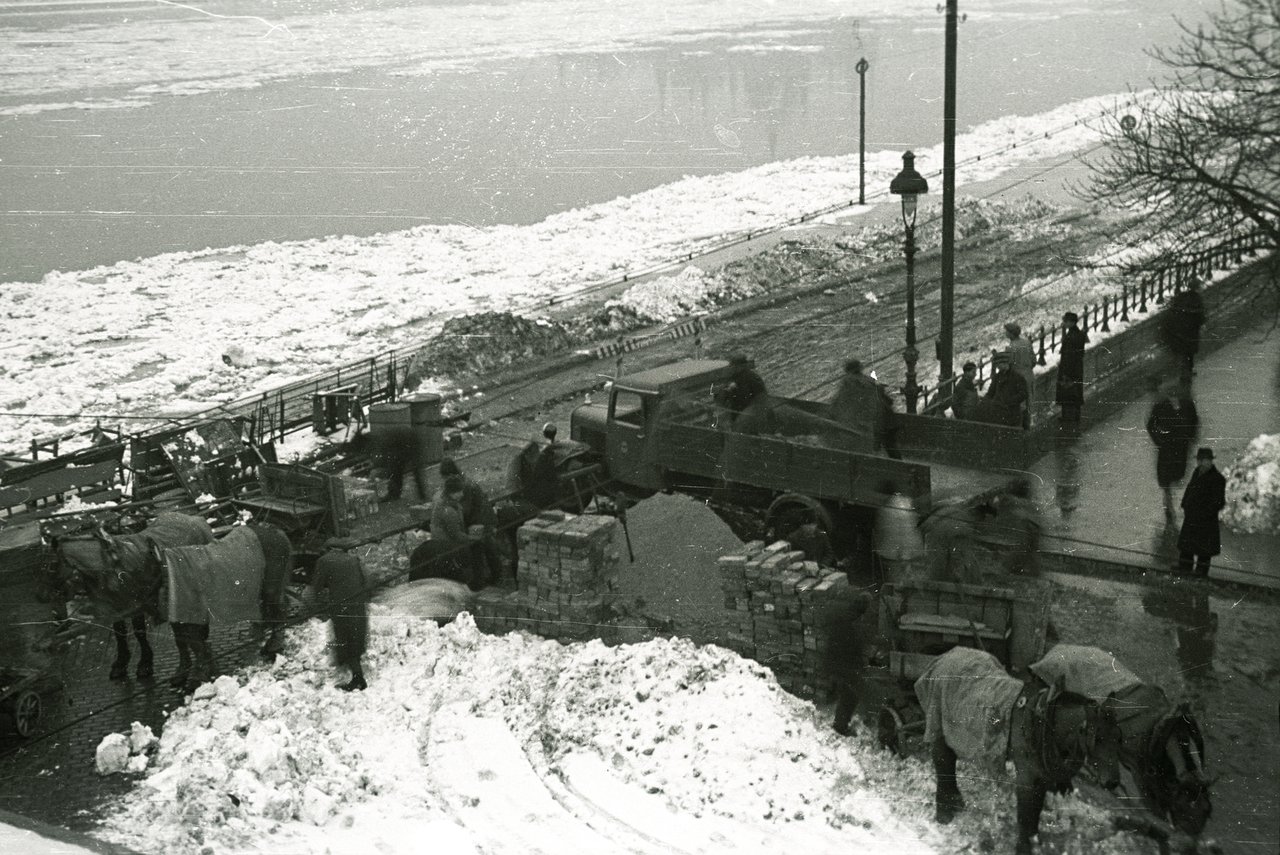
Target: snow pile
{"x": 120, "y": 752}
{"x": 689, "y": 292}
{"x": 1253, "y": 488}
{"x": 484, "y": 743}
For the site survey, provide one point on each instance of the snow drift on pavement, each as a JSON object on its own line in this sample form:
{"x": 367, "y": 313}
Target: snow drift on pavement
{"x": 514, "y": 743}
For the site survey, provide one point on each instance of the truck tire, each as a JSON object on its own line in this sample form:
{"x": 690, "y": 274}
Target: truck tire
{"x": 792, "y": 511}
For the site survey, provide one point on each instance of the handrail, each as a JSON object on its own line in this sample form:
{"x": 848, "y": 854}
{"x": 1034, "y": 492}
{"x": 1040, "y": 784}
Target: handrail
{"x": 1150, "y": 290}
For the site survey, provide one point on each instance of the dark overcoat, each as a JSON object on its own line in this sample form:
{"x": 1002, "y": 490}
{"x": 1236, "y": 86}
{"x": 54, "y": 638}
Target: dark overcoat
{"x": 1205, "y": 496}
{"x": 1070, "y": 389}
{"x": 340, "y": 576}
{"x": 1173, "y": 429}
{"x": 1004, "y": 399}
{"x": 1181, "y": 321}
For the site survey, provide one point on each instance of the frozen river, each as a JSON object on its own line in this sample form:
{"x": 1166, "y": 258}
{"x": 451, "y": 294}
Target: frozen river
{"x": 130, "y": 129}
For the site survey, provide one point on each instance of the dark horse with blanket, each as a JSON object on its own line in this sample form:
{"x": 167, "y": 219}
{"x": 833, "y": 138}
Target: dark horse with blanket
{"x": 110, "y": 570}
{"x": 974, "y": 709}
{"x": 1163, "y": 747}
{"x": 243, "y": 576}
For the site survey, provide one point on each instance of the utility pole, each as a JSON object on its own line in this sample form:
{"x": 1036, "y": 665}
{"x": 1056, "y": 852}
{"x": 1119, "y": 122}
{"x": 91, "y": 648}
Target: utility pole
{"x": 946, "y": 343}
{"x": 861, "y": 68}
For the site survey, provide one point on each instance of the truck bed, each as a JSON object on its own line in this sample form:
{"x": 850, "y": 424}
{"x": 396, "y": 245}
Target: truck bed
{"x": 786, "y": 464}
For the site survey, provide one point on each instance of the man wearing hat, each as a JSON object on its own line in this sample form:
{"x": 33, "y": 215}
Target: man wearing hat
{"x": 478, "y": 517}
{"x": 339, "y": 576}
{"x": 1006, "y": 394}
{"x": 1200, "y": 540}
{"x": 1070, "y": 388}
{"x": 1024, "y": 364}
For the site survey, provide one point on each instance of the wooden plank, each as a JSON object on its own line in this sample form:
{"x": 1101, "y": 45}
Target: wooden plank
{"x": 85, "y": 457}
{"x": 58, "y": 481}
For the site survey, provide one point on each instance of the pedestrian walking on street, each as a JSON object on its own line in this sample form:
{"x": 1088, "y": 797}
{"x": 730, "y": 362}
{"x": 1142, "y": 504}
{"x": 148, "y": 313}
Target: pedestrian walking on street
{"x": 1200, "y": 538}
{"x": 1006, "y": 395}
{"x": 1180, "y": 324}
{"x": 1173, "y": 426}
{"x": 1024, "y": 363}
{"x": 1070, "y": 390}
{"x": 964, "y": 398}
{"x": 339, "y": 579}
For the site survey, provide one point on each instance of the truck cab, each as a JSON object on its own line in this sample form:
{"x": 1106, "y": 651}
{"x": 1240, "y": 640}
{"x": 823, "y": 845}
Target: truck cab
{"x": 624, "y": 428}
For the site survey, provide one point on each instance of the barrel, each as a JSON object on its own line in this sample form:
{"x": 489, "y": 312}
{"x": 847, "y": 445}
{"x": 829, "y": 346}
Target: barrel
{"x": 424, "y": 415}
{"x": 421, "y": 414}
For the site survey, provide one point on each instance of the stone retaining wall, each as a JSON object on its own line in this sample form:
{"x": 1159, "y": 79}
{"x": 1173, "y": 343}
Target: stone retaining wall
{"x": 785, "y": 607}
{"x": 566, "y": 577}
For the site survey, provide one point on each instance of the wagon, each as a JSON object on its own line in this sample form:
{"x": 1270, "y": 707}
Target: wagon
{"x": 20, "y": 703}
{"x": 924, "y": 619}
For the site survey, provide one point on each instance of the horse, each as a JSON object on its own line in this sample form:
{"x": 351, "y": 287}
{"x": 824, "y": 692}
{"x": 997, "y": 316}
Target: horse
{"x": 243, "y": 576}
{"x": 974, "y": 709}
{"x": 1163, "y": 747}
{"x": 111, "y": 570}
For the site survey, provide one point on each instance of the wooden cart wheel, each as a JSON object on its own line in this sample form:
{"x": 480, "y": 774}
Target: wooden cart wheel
{"x": 889, "y": 725}
{"x": 26, "y": 713}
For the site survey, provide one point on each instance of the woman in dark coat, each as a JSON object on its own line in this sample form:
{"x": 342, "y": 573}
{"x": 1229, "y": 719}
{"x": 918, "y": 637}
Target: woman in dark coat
{"x": 1070, "y": 389}
{"x": 1172, "y": 425}
{"x": 1206, "y": 495}
{"x": 340, "y": 575}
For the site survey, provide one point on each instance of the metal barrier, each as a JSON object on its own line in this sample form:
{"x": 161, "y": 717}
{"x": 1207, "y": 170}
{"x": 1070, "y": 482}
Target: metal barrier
{"x": 1151, "y": 289}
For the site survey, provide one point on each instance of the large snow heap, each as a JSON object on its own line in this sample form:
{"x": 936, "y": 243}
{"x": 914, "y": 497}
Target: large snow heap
{"x": 1253, "y": 488}
{"x": 481, "y": 743}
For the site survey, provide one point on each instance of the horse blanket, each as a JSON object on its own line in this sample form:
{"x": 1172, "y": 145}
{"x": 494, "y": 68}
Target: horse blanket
{"x": 1087, "y": 671}
{"x": 220, "y": 582}
{"x": 968, "y": 700}
{"x": 122, "y": 587}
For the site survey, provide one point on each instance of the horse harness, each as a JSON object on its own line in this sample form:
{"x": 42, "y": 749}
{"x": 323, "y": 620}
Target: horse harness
{"x": 1042, "y": 710}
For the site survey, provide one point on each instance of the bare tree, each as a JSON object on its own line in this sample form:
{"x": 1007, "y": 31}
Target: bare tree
{"x": 1202, "y": 160}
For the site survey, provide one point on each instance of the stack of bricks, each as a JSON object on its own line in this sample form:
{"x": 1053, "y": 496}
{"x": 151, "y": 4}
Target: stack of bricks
{"x": 566, "y": 577}
{"x": 783, "y": 605}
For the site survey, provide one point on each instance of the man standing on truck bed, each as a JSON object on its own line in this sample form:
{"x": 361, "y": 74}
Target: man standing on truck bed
{"x": 855, "y": 411}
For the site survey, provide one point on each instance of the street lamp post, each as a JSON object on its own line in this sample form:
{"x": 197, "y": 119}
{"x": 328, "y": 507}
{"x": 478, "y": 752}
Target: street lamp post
{"x": 861, "y": 68}
{"x": 910, "y": 184}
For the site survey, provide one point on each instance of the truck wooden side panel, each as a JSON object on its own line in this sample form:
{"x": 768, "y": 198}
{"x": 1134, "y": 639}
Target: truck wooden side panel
{"x": 783, "y": 465}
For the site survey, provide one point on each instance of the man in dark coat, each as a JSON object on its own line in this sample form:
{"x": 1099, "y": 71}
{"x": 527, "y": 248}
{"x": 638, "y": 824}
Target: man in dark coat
{"x": 397, "y": 450}
{"x": 855, "y": 411}
{"x": 1070, "y": 390}
{"x": 1006, "y": 397}
{"x": 1180, "y": 325}
{"x": 339, "y": 576}
{"x": 964, "y": 400}
{"x": 477, "y": 511}
{"x": 1204, "y": 497}
{"x": 845, "y": 656}
{"x": 1173, "y": 425}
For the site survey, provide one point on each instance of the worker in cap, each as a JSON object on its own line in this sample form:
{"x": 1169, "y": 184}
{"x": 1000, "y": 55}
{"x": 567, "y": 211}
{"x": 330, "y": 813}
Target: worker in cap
{"x": 549, "y": 431}
{"x": 1006, "y": 395}
{"x": 1024, "y": 363}
{"x": 479, "y": 519}
{"x": 339, "y": 578}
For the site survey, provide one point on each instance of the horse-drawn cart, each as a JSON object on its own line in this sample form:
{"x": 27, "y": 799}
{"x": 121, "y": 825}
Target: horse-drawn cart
{"x": 924, "y": 619}
{"x": 21, "y": 706}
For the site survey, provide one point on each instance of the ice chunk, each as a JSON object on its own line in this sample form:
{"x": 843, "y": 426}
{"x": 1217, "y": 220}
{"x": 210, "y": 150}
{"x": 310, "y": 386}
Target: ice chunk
{"x": 112, "y": 755}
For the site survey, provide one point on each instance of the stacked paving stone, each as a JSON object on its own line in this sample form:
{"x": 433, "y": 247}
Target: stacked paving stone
{"x": 566, "y": 573}
{"x": 784, "y": 606}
